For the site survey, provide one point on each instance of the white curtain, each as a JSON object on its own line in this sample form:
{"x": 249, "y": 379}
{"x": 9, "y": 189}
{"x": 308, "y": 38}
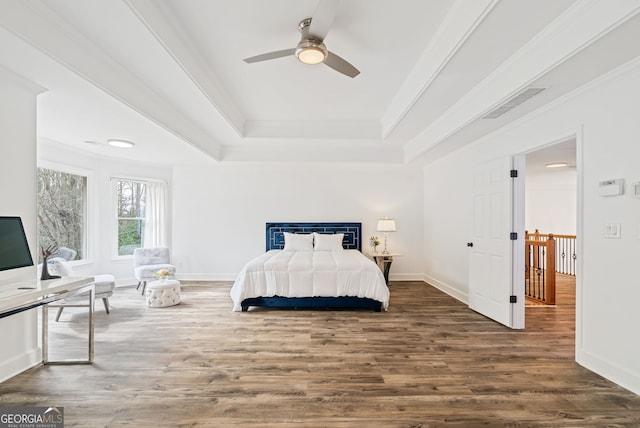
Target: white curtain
{"x": 155, "y": 229}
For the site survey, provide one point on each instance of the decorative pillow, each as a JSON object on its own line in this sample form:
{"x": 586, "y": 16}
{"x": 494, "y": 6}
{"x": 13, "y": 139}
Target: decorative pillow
{"x": 298, "y": 241}
{"x": 327, "y": 242}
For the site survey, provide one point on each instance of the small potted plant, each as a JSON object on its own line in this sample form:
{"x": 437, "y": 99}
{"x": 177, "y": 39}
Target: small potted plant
{"x": 373, "y": 243}
{"x": 162, "y": 274}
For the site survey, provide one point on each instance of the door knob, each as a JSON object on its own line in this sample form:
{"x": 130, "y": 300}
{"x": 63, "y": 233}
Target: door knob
{"x": 469, "y": 244}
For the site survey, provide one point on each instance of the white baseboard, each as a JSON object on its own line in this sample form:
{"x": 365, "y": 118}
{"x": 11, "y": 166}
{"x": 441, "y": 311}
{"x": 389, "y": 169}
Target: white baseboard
{"x": 122, "y": 282}
{"x": 206, "y": 276}
{"x": 406, "y": 277}
{"x": 127, "y": 282}
{"x": 20, "y": 363}
{"x": 609, "y": 370}
{"x": 445, "y": 288}
{"x": 233, "y": 276}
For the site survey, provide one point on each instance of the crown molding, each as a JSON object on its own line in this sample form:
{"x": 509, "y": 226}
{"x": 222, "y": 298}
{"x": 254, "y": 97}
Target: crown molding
{"x": 459, "y": 24}
{"x": 176, "y": 43}
{"x": 334, "y": 152}
{"x": 335, "y": 129}
{"x": 576, "y": 29}
{"x": 27, "y": 84}
{"x": 43, "y": 28}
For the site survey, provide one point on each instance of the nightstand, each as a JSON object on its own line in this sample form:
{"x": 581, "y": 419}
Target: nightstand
{"x": 384, "y": 261}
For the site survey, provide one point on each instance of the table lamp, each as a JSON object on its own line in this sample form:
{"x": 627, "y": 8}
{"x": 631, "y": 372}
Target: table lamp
{"x": 386, "y": 225}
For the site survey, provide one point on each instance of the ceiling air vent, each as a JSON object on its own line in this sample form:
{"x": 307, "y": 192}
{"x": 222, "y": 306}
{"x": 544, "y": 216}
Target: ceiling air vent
{"x": 513, "y": 102}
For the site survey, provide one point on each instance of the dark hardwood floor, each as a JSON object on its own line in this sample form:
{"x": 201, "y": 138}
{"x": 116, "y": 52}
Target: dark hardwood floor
{"x": 427, "y": 362}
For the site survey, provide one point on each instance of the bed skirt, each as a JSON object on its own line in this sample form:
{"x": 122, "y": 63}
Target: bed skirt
{"x": 345, "y": 302}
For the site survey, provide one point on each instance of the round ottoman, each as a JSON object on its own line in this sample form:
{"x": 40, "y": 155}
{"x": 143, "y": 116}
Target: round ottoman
{"x": 161, "y": 294}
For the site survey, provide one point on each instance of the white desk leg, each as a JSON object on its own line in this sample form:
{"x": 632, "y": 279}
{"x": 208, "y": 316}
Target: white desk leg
{"x": 45, "y": 335}
{"x": 92, "y": 298}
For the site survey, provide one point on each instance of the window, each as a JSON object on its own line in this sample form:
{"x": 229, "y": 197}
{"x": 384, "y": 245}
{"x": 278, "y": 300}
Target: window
{"x": 131, "y": 215}
{"x": 62, "y": 212}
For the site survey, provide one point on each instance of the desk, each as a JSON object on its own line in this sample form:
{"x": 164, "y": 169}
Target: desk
{"x": 385, "y": 259}
{"x": 20, "y": 297}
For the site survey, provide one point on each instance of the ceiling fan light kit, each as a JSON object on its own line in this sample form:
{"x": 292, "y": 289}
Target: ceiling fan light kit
{"x": 311, "y": 48}
{"x": 311, "y": 52}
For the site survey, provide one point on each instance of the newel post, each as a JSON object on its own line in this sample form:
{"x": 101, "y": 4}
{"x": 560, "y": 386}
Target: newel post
{"x": 551, "y": 270}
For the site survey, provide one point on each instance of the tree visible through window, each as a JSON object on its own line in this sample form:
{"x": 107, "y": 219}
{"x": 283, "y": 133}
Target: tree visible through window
{"x": 62, "y": 202}
{"x": 131, "y": 198}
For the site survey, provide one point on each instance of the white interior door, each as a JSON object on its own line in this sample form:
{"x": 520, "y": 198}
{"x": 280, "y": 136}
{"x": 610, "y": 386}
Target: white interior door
{"x": 490, "y": 252}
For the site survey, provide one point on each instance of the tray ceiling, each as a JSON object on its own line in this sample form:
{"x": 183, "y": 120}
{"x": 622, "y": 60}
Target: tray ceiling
{"x": 170, "y": 74}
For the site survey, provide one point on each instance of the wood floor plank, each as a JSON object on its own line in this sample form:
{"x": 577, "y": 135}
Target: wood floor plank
{"x": 427, "y": 362}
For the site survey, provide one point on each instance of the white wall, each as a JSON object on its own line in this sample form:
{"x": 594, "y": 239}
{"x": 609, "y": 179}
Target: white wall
{"x": 241, "y": 198}
{"x": 604, "y": 117}
{"x": 220, "y": 211}
{"x": 550, "y": 202}
{"x": 101, "y": 208}
{"x": 19, "y": 347}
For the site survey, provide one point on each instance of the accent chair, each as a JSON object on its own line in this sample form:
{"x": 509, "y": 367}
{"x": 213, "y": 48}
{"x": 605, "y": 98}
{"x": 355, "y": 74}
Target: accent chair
{"x": 147, "y": 261}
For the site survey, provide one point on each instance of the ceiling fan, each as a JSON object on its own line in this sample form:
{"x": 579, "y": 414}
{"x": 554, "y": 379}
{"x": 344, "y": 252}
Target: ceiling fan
{"x": 311, "y": 48}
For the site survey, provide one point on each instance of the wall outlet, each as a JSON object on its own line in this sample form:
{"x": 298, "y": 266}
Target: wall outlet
{"x": 612, "y": 231}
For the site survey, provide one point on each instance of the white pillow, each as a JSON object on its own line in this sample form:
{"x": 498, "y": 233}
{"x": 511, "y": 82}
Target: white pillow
{"x": 298, "y": 241}
{"x": 327, "y": 242}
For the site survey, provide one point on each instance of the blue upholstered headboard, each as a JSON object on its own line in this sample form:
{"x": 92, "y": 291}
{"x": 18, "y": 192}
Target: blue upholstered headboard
{"x": 352, "y": 233}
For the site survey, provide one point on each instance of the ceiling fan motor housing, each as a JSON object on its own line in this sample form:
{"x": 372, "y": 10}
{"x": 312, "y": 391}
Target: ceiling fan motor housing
{"x": 310, "y": 50}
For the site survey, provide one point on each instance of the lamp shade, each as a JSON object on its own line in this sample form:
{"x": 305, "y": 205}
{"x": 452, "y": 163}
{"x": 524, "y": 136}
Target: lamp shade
{"x": 386, "y": 225}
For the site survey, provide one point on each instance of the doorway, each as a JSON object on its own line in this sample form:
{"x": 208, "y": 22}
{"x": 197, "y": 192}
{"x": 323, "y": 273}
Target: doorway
{"x": 551, "y": 208}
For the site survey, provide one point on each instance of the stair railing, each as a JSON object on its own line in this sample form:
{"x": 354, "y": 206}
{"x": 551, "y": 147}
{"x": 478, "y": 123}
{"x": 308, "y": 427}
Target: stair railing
{"x": 540, "y": 268}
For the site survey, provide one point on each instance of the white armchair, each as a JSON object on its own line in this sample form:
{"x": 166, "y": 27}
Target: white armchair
{"x": 147, "y": 261}
{"x": 104, "y": 284}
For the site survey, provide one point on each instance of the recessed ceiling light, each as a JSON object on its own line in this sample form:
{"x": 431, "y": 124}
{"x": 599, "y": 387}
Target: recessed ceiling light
{"x": 556, "y": 165}
{"x": 121, "y": 144}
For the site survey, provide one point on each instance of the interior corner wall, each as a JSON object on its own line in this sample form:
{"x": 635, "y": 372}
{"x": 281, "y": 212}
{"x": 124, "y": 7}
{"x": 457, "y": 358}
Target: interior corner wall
{"x": 19, "y": 347}
{"x": 604, "y": 117}
{"x": 220, "y": 211}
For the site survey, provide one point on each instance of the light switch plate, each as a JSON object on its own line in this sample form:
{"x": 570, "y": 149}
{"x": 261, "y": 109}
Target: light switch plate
{"x": 612, "y": 231}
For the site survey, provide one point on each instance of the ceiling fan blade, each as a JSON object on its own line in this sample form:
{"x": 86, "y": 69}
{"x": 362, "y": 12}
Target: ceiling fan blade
{"x": 340, "y": 65}
{"x": 270, "y": 55}
{"x": 323, "y": 18}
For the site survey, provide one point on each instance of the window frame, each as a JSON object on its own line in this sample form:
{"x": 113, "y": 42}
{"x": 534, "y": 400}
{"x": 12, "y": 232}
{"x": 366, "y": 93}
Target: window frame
{"x": 88, "y": 217}
{"x": 115, "y": 218}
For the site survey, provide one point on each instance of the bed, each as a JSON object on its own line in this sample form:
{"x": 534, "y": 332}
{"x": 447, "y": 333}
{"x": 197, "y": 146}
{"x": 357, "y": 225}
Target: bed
{"x": 311, "y": 265}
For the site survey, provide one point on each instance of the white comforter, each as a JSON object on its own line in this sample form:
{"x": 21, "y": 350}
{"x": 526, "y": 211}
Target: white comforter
{"x": 310, "y": 274}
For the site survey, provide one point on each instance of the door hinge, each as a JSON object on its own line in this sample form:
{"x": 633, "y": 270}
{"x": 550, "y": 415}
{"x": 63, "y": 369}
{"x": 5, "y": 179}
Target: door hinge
{"x": 513, "y": 299}
{"x": 514, "y": 173}
{"x": 513, "y": 236}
